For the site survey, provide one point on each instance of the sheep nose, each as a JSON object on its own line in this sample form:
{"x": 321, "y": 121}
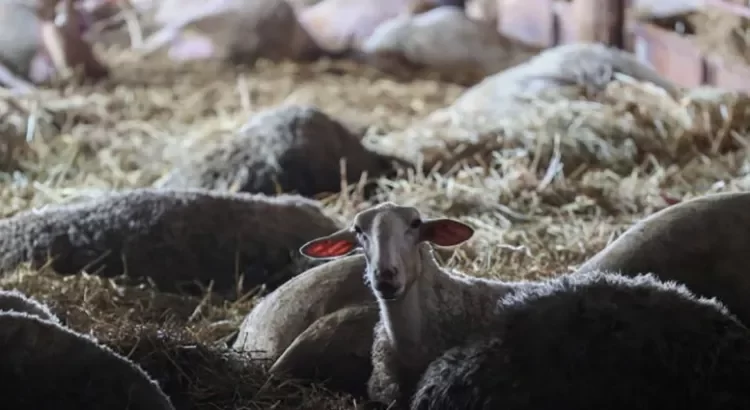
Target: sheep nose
{"x": 387, "y": 274}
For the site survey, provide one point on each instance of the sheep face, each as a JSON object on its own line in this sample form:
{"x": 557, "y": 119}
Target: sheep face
{"x": 390, "y": 236}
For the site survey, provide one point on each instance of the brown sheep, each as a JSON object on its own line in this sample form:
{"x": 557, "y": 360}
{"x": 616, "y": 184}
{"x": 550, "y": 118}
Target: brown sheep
{"x": 293, "y": 148}
{"x": 174, "y": 237}
{"x": 702, "y": 243}
{"x": 318, "y": 326}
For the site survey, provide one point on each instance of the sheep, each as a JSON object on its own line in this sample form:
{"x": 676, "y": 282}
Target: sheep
{"x": 410, "y": 291}
{"x": 701, "y": 243}
{"x": 173, "y": 237}
{"x": 427, "y": 356}
{"x": 597, "y": 341}
{"x": 15, "y": 301}
{"x": 46, "y": 366}
{"x": 444, "y": 40}
{"x": 592, "y": 66}
{"x": 293, "y": 148}
{"x": 234, "y": 30}
{"x": 318, "y": 326}
{"x": 33, "y": 47}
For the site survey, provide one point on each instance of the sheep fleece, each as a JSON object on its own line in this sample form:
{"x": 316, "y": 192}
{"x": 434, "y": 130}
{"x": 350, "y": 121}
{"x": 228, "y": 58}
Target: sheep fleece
{"x": 294, "y": 148}
{"x": 170, "y": 236}
{"x": 593, "y": 341}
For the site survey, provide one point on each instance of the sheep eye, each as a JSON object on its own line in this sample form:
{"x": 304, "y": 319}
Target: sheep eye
{"x": 357, "y": 230}
{"x": 415, "y": 223}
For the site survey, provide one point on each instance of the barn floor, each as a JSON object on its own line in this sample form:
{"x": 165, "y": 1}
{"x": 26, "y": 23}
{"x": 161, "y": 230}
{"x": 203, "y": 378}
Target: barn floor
{"x": 126, "y": 135}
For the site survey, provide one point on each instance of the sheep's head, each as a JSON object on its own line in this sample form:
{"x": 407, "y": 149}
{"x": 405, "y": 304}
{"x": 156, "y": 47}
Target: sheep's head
{"x": 390, "y": 236}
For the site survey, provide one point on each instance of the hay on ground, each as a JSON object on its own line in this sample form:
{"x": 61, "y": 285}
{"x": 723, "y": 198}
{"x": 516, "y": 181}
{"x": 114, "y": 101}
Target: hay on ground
{"x": 536, "y": 214}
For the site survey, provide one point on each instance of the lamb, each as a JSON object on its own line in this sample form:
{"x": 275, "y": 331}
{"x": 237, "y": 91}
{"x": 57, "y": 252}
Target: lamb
{"x": 409, "y": 290}
{"x": 427, "y": 357}
{"x": 173, "y": 237}
{"x": 15, "y": 301}
{"x": 33, "y": 48}
{"x": 597, "y": 341}
{"x": 701, "y": 243}
{"x": 317, "y": 327}
{"x": 289, "y": 148}
{"x": 46, "y": 366}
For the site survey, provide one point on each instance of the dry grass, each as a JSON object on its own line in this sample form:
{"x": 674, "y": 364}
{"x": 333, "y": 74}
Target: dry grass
{"x": 532, "y": 219}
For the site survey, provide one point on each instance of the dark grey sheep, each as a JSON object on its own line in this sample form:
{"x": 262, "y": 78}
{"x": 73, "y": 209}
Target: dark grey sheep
{"x": 425, "y": 311}
{"x": 46, "y": 366}
{"x": 702, "y": 243}
{"x": 318, "y": 326}
{"x": 597, "y": 341}
{"x": 289, "y": 148}
{"x": 173, "y": 237}
{"x": 15, "y": 301}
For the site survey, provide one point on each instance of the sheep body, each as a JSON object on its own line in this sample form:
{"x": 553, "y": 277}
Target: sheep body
{"x": 589, "y": 65}
{"x": 174, "y": 237}
{"x": 293, "y": 148}
{"x": 47, "y": 366}
{"x": 421, "y": 315}
{"x": 445, "y": 40}
{"x": 701, "y": 243}
{"x": 595, "y": 341}
{"x": 235, "y": 30}
{"x": 15, "y": 301}
{"x": 317, "y": 326}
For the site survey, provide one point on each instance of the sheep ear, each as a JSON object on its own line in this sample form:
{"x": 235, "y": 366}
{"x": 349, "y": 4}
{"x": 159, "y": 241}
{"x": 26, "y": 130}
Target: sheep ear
{"x": 445, "y": 232}
{"x": 332, "y": 246}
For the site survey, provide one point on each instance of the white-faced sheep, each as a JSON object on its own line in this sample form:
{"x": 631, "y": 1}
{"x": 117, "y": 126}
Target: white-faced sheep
{"x": 614, "y": 329}
{"x": 289, "y": 148}
{"x": 173, "y": 237}
{"x": 318, "y": 326}
{"x": 702, "y": 243}
{"x": 411, "y": 288}
{"x": 47, "y": 366}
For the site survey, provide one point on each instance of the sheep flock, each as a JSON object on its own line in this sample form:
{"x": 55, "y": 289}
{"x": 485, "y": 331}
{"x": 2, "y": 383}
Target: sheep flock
{"x": 153, "y": 214}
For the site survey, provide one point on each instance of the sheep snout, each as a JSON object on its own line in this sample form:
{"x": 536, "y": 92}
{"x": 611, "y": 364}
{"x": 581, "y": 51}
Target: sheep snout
{"x": 387, "y": 283}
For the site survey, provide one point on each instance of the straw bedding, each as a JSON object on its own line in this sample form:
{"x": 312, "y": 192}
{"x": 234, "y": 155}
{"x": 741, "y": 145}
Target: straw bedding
{"x": 545, "y": 189}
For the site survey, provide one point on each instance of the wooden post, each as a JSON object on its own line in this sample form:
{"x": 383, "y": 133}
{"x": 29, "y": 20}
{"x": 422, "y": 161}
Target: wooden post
{"x": 600, "y": 21}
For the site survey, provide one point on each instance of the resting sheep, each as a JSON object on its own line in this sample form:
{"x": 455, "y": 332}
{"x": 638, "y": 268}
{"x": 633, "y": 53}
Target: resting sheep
{"x": 702, "y": 243}
{"x": 318, "y": 326}
{"x": 289, "y": 148}
{"x": 233, "y": 30}
{"x": 47, "y": 366}
{"x": 173, "y": 237}
{"x": 597, "y": 341}
{"x": 459, "y": 342}
{"x": 15, "y": 301}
